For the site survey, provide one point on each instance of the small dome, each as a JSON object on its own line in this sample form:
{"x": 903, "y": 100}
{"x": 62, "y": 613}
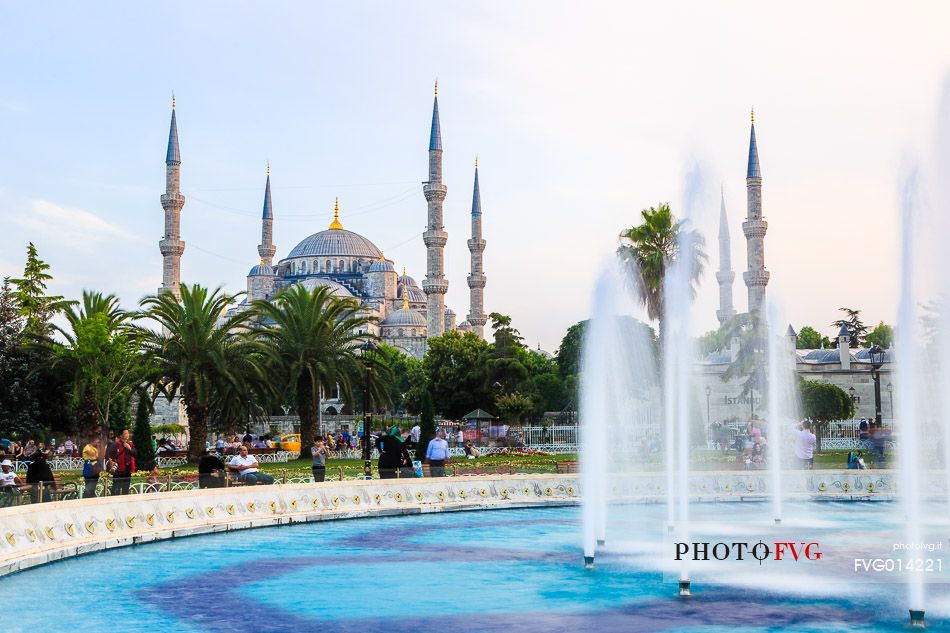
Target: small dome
{"x": 413, "y": 293}
{"x": 464, "y": 325}
{"x": 381, "y": 266}
{"x": 865, "y": 357}
{"x": 335, "y": 288}
{"x": 450, "y": 311}
{"x": 406, "y": 280}
{"x": 819, "y": 356}
{"x": 261, "y": 271}
{"x": 404, "y": 317}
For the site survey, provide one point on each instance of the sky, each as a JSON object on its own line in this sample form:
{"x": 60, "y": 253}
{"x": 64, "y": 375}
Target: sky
{"x": 581, "y": 114}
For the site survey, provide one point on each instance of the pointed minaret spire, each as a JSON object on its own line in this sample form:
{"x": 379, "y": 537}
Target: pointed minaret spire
{"x": 266, "y": 248}
{"x": 435, "y": 284}
{"x": 756, "y": 276}
{"x": 725, "y": 276}
{"x": 171, "y": 245}
{"x": 476, "y": 278}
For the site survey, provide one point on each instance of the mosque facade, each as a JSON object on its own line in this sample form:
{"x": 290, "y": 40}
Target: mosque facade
{"x": 349, "y": 264}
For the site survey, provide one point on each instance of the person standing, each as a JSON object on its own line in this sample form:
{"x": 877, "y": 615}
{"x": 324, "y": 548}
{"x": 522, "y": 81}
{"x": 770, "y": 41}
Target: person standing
{"x": 121, "y": 458}
{"x": 91, "y": 468}
{"x": 805, "y": 442}
{"x": 460, "y": 439}
{"x": 38, "y": 474}
{"x": 319, "y": 453}
{"x": 438, "y": 455}
{"x": 415, "y": 434}
{"x": 247, "y": 469}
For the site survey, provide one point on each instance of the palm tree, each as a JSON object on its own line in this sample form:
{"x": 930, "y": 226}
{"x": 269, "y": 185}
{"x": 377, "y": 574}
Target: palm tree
{"x": 311, "y": 339}
{"x": 651, "y": 248}
{"x": 100, "y": 353}
{"x": 199, "y": 354}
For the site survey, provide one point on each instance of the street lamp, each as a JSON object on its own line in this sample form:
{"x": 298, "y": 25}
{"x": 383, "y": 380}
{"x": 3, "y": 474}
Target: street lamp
{"x": 366, "y": 351}
{"x": 708, "y": 417}
{"x": 876, "y": 356}
{"x": 890, "y": 394}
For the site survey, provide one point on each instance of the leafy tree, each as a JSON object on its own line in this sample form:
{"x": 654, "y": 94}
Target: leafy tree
{"x": 569, "y": 353}
{"x": 198, "y": 352}
{"x": 824, "y": 402}
{"x": 552, "y": 392}
{"x": 651, "y": 248}
{"x": 711, "y": 341}
{"x": 750, "y": 360}
{"x": 810, "y": 338}
{"x": 19, "y": 409}
{"x": 142, "y": 435}
{"x": 514, "y": 406}
{"x": 405, "y": 379}
{"x": 312, "y": 341}
{"x": 455, "y": 369}
{"x": 882, "y": 335}
{"x": 855, "y": 327}
{"x": 100, "y": 355}
{"x": 34, "y": 304}
{"x": 426, "y": 425}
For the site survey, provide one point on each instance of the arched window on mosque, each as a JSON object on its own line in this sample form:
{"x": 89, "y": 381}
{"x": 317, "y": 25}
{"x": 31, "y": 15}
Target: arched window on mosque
{"x": 303, "y": 267}
{"x": 400, "y": 332}
{"x": 342, "y": 266}
{"x": 329, "y": 266}
{"x": 316, "y": 266}
{"x": 292, "y": 269}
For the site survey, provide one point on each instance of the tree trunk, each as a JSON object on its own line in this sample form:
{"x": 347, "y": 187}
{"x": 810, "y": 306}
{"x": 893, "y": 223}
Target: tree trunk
{"x": 197, "y": 428}
{"x": 308, "y": 417}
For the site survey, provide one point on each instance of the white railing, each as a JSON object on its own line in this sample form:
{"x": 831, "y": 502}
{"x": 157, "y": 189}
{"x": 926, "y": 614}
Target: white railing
{"x": 550, "y": 435}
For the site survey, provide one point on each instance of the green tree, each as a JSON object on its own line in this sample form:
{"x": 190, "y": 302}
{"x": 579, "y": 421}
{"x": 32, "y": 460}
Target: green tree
{"x": 456, "y": 372}
{"x": 101, "y": 355}
{"x": 824, "y": 402}
{"x": 749, "y": 363}
{"x": 853, "y": 324}
{"x": 569, "y": 353}
{"x": 882, "y": 335}
{"x": 405, "y": 379}
{"x": 651, "y": 248}
{"x": 711, "y": 341}
{"x": 19, "y": 409}
{"x": 34, "y": 304}
{"x": 197, "y": 353}
{"x": 426, "y": 425}
{"x": 810, "y": 338}
{"x": 514, "y": 406}
{"x": 142, "y": 434}
{"x": 312, "y": 341}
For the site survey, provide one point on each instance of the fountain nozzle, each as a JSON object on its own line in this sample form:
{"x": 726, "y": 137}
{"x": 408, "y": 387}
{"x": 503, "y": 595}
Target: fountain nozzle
{"x": 778, "y": 521}
{"x": 685, "y": 589}
{"x": 917, "y": 619}
{"x": 588, "y": 562}
{"x": 669, "y": 528}
{"x": 601, "y": 542}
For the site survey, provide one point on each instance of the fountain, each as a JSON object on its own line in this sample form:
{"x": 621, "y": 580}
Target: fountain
{"x": 782, "y": 400}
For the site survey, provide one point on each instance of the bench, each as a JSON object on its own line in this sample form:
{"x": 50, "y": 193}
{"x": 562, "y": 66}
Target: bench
{"x": 565, "y": 467}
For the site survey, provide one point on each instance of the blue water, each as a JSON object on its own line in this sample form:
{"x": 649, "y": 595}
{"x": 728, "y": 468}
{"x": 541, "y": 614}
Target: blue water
{"x": 514, "y": 571}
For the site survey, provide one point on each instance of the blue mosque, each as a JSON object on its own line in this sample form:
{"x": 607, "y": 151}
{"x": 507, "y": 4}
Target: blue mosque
{"x": 349, "y": 264}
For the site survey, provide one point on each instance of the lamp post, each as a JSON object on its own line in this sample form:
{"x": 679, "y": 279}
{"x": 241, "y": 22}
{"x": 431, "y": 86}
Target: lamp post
{"x": 366, "y": 351}
{"x": 876, "y": 356}
{"x": 708, "y": 417}
{"x": 890, "y": 396}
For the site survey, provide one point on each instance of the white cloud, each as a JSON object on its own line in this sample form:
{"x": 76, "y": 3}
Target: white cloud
{"x": 69, "y": 227}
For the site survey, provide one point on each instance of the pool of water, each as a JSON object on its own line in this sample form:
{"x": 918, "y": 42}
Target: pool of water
{"x": 512, "y": 571}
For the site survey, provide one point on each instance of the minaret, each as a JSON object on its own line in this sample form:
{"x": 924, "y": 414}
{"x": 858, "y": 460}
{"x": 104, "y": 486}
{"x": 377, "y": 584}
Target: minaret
{"x": 171, "y": 245}
{"x": 435, "y": 284}
{"x": 756, "y": 277}
{"x": 266, "y": 248}
{"x": 476, "y": 278}
{"x": 725, "y": 276}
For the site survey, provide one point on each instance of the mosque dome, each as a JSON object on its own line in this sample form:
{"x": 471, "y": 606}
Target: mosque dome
{"x": 406, "y": 280}
{"x": 413, "y": 293}
{"x": 382, "y": 266}
{"x": 337, "y": 289}
{"x": 261, "y": 271}
{"x": 336, "y": 242}
{"x": 404, "y": 317}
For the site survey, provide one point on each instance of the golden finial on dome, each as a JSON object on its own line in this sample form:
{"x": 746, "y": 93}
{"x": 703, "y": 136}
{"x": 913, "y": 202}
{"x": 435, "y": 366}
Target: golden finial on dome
{"x": 436, "y": 87}
{"x": 752, "y": 114}
{"x": 268, "y": 168}
{"x": 405, "y": 300}
{"x": 403, "y": 271}
{"x": 173, "y": 101}
{"x": 335, "y": 225}
{"x": 476, "y": 161}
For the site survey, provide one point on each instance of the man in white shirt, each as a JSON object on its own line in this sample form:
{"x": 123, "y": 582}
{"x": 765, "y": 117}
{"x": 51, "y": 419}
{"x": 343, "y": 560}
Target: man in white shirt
{"x": 438, "y": 455}
{"x": 805, "y": 442}
{"x": 460, "y": 439}
{"x": 247, "y": 469}
{"x": 9, "y": 481}
{"x": 414, "y": 434}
